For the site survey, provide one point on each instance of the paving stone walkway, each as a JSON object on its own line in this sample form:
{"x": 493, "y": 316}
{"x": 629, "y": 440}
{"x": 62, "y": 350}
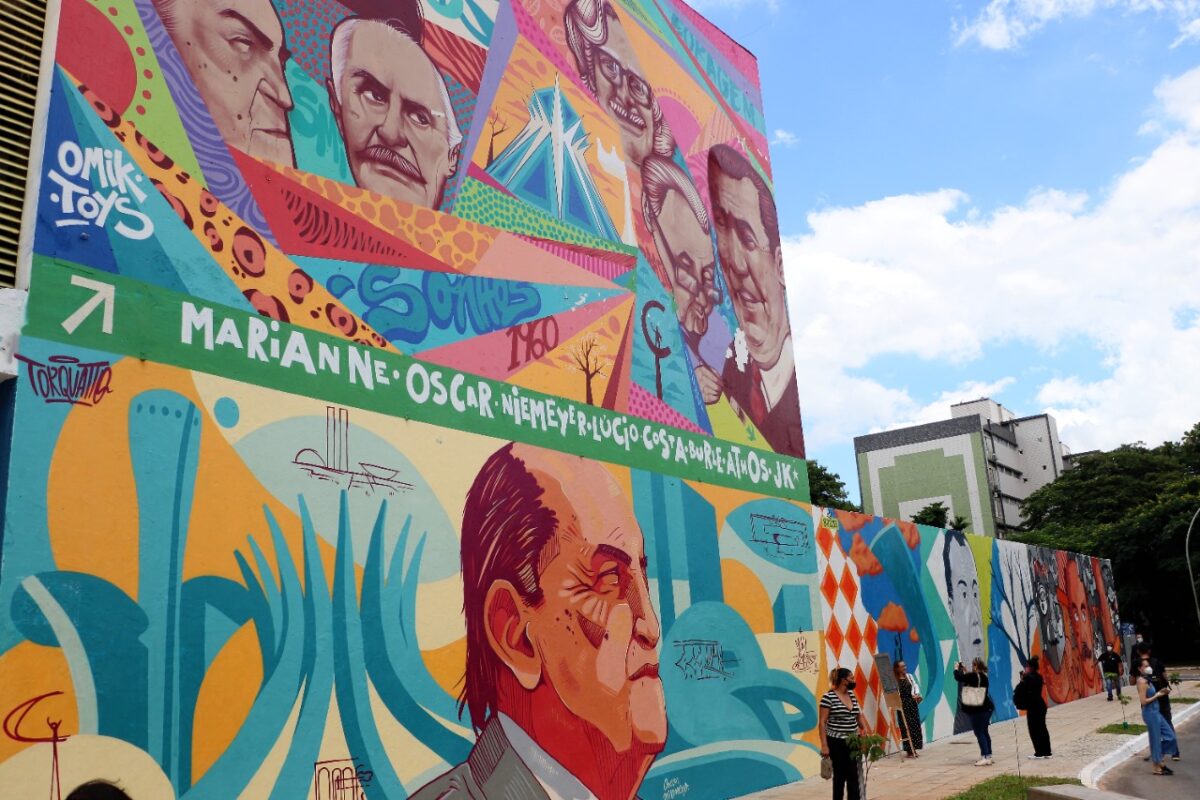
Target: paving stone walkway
{"x": 946, "y": 766}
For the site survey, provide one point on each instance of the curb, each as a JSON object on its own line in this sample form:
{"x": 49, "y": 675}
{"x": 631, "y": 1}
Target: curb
{"x": 1093, "y": 772}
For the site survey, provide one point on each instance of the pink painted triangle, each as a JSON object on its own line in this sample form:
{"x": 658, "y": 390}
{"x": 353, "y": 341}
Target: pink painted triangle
{"x": 490, "y": 355}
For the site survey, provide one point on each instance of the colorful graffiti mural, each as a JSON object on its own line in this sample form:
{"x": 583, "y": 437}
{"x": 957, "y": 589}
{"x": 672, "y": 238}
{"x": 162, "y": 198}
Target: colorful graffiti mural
{"x": 494, "y": 186}
{"x": 408, "y": 409}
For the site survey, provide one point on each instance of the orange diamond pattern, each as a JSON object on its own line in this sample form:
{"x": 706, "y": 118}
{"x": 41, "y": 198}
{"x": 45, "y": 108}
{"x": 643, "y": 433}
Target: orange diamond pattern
{"x": 825, "y": 540}
{"x": 829, "y": 588}
{"x": 872, "y": 635}
{"x": 833, "y": 635}
{"x": 854, "y": 636}
{"x": 849, "y": 587}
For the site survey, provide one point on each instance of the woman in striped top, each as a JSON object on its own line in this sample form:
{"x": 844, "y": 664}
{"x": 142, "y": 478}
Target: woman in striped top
{"x": 841, "y": 717}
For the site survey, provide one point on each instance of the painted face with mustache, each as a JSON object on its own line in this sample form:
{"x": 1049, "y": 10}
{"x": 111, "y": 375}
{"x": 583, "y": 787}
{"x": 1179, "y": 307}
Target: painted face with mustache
{"x": 624, "y": 93}
{"x": 391, "y": 112}
{"x": 595, "y": 629}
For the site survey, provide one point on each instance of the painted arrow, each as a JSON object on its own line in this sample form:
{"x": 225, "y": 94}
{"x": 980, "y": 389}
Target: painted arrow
{"x": 105, "y": 293}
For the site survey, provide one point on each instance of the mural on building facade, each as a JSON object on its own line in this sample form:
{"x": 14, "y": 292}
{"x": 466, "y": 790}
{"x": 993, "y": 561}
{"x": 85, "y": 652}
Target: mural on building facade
{"x": 407, "y": 393}
{"x": 492, "y": 185}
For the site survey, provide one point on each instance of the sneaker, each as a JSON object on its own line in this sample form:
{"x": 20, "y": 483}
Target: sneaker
{"x": 1110, "y": 699}
{"x": 1175, "y": 758}
{"x": 983, "y": 762}
{"x": 1035, "y": 758}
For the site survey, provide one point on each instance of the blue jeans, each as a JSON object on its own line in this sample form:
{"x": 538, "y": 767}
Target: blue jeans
{"x": 1161, "y": 734}
{"x": 1112, "y": 685}
{"x": 979, "y": 724}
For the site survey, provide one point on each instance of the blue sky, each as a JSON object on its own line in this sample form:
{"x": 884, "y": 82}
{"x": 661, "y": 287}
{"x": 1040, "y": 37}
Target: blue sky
{"x": 986, "y": 198}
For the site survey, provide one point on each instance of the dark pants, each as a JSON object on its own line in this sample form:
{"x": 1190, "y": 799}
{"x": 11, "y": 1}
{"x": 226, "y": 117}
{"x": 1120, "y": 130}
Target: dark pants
{"x": 979, "y": 724}
{"x": 1113, "y": 685}
{"x": 1036, "y": 718}
{"x": 845, "y": 770}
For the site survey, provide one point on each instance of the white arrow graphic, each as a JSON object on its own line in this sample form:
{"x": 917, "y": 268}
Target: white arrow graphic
{"x": 105, "y": 293}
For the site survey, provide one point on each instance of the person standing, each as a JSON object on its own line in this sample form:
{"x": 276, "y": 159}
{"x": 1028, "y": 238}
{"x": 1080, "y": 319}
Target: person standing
{"x": 908, "y": 717}
{"x": 840, "y": 717}
{"x": 1160, "y": 733}
{"x": 1112, "y": 667}
{"x": 1143, "y": 653}
{"x": 977, "y": 703}
{"x": 1031, "y": 687}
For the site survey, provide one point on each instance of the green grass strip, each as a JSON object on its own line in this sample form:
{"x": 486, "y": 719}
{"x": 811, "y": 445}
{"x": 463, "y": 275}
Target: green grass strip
{"x": 1010, "y": 787}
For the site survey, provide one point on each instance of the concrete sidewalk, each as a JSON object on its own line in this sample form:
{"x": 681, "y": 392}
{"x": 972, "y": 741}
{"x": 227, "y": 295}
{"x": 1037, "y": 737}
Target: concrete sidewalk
{"x": 946, "y": 766}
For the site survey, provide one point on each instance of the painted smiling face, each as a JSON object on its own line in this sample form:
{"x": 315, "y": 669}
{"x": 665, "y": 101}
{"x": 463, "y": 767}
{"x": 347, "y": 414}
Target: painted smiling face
{"x": 752, "y": 265}
{"x": 596, "y": 627}
{"x": 624, "y": 93}
{"x": 389, "y": 103}
{"x": 687, "y": 250}
{"x": 235, "y": 52}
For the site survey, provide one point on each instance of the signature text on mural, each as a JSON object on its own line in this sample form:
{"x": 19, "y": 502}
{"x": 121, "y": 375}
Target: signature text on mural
{"x": 96, "y": 186}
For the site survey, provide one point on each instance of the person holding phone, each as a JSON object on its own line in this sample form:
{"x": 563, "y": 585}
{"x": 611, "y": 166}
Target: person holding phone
{"x": 1161, "y": 734}
{"x": 840, "y": 717}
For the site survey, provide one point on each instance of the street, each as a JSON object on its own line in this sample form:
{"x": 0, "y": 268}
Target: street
{"x": 1135, "y": 778}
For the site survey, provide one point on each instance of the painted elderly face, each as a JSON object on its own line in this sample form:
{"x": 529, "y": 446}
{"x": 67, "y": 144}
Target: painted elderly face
{"x": 687, "y": 251}
{"x": 964, "y": 602}
{"x": 624, "y": 94}
{"x": 235, "y": 52}
{"x": 752, "y": 267}
{"x": 390, "y": 111}
{"x": 596, "y": 629}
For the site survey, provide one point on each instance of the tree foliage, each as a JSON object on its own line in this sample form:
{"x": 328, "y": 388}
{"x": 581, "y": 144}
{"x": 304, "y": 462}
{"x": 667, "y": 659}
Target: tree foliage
{"x": 935, "y": 514}
{"x": 1132, "y": 505}
{"x": 827, "y": 488}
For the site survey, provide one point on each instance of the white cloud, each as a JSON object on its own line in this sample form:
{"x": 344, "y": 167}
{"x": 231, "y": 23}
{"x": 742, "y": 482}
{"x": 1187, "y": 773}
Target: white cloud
{"x": 784, "y": 138}
{"x": 1004, "y": 24}
{"x": 913, "y": 275}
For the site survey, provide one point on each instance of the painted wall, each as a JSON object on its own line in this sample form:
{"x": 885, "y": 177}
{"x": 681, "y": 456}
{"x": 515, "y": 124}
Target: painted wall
{"x": 405, "y": 399}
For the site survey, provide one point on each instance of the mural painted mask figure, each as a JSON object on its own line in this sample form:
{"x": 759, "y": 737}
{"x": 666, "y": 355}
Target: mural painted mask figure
{"x": 235, "y": 52}
{"x": 610, "y": 68}
{"x": 561, "y": 635}
{"x": 392, "y": 110}
{"x": 962, "y": 587}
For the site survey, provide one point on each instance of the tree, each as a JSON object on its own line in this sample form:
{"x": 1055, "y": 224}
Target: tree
{"x": 827, "y": 488}
{"x": 934, "y": 514}
{"x": 589, "y": 359}
{"x": 497, "y": 128}
{"x": 959, "y": 524}
{"x": 1131, "y": 505}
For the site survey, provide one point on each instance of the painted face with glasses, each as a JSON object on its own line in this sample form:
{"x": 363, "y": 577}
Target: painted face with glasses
{"x": 624, "y": 93}
{"x": 688, "y": 252}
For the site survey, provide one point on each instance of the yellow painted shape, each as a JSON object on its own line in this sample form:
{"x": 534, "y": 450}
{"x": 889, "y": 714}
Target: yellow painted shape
{"x": 727, "y": 425}
{"x": 556, "y": 373}
{"x": 226, "y": 695}
{"x": 745, "y": 594}
{"x": 27, "y": 671}
{"x": 447, "y": 665}
{"x": 82, "y": 759}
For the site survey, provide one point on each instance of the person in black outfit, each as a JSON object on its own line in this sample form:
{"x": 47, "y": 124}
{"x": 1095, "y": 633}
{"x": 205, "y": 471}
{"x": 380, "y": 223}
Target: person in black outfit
{"x": 979, "y": 715}
{"x": 1112, "y": 667}
{"x": 1159, "y": 681}
{"x": 841, "y": 717}
{"x": 1035, "y": 708}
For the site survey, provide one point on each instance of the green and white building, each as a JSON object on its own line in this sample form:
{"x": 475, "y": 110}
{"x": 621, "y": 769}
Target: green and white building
{"x": 981, "y": 463}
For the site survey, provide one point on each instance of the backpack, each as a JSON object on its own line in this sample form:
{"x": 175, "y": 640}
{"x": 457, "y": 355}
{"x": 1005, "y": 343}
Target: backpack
{"x": 1020, "y": 697}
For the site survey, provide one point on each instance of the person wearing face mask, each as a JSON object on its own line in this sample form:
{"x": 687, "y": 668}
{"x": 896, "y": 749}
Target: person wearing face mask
{"x": 1112, "y": 667}
{"x": 841, "y": 717}
{"x": 1160, "y": 733}
{"x": 980, "y": 713}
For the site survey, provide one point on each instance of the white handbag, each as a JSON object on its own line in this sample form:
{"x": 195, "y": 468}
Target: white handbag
{"x": 974, "y": 696}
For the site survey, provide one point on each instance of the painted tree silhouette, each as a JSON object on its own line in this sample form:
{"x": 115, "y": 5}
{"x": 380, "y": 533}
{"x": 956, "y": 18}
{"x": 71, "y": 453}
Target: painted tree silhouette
{"x": 496, "y": 129}
{"x": 588, "y": 357}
